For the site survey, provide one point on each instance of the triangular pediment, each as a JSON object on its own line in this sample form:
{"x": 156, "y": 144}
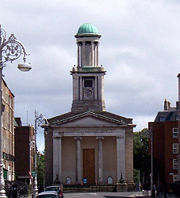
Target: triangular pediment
{"x": 87, "y": 119}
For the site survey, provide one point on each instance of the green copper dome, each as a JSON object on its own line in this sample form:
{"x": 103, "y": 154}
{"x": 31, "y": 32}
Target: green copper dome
{"x": 87, "y": 29}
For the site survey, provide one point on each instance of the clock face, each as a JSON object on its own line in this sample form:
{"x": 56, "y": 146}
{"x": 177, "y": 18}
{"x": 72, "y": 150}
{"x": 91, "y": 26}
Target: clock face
{"x": 88, "y": 93}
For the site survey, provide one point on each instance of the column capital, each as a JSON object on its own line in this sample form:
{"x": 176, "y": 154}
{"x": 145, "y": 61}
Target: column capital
{"x": 99, "y": 138}
{"x": 78, "y": 138}
{"x": 120, "y": 137}
{"x": 57, "y": 136}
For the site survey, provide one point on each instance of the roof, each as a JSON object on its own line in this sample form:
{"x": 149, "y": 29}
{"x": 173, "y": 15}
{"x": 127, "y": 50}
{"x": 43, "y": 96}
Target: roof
{"x": 167, "y": 115}
{"x": 87, "y": 29}
{"x": 61, "y": 119}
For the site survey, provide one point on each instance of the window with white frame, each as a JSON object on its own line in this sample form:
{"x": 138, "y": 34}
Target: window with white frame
{"x": 68, "y": 180}
{"x": 175, "y": 164}
{"x": 110, "y": 180}
{"x": 175, "y": 148}
{"x": 175, "y": 178}
{"x": 175, "y": 132}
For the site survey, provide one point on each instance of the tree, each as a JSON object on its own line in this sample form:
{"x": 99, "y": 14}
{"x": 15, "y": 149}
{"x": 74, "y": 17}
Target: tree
{"x": 40, "y": 169}
{"x": 142, "y": 158}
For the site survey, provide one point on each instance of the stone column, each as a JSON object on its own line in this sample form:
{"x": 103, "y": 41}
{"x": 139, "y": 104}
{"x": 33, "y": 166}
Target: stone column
{"x": 57, "y": 172}
{"x": 92, "y": 53}
{"x": 80, "y": 88}
{"x": 78, "y": 54}
{"x": 99, "y": 88}
{"x": 120, "y": 148}
{"x": 78, "y": 160}
{"x": 83, "y": 54}
{"x": 96, "y": 88}
{"x": 100, "y": 159}
{"x": 97, "y": 54}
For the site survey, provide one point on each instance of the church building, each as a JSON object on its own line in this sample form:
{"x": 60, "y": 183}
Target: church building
{"x": 89, "y": 144}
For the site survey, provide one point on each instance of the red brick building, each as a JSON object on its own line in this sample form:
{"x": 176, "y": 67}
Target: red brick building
{"x": 165, "y": 146}
{"x": 24, "y": 151}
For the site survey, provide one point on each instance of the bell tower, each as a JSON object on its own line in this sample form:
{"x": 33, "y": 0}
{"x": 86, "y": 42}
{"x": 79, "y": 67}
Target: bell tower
{"x": 88, "y": 76}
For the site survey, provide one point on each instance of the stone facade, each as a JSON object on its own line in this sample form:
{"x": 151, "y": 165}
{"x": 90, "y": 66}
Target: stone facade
{"x": 8, "y": 131}
{"x": 88, "y": 144}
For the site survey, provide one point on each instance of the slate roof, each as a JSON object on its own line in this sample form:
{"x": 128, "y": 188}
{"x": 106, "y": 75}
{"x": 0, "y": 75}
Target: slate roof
{"x": 167, "y": 115}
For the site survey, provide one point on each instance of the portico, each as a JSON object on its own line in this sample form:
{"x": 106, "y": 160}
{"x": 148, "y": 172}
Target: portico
{"x": 80, "y": 139}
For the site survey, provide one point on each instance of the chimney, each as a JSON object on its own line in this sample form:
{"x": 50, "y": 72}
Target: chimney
{"x": 167, "y": 104}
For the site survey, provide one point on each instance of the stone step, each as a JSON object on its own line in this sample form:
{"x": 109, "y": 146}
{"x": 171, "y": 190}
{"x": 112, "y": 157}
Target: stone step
{"x": 89, "y": 188}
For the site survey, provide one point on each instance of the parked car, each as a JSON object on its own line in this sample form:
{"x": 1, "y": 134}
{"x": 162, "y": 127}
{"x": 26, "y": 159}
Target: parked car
{"x": 48, "y": 194}
{"x": 55, "y": 188}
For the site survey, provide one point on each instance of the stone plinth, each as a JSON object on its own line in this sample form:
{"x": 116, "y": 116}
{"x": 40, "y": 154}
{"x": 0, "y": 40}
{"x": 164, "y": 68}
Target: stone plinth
{"x": 121, "y": 187}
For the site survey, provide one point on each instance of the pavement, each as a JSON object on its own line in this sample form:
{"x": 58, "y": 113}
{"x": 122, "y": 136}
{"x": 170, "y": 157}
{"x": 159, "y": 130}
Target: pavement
{"x": 113, "y": 195}
{"x": 101, "y": 195}
{"x": 104, "y": 195}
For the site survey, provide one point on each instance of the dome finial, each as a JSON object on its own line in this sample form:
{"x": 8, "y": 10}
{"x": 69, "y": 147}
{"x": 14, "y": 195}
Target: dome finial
{"x": 87, "y": 29}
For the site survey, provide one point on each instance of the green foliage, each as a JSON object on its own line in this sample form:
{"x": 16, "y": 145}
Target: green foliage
{"x": 136, "y": 175}
{"x": 142, "y": 154}
{"x": 40, "y": 168}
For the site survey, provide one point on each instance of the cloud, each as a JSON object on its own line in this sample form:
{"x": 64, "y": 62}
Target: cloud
{"x": 139, "y": 49}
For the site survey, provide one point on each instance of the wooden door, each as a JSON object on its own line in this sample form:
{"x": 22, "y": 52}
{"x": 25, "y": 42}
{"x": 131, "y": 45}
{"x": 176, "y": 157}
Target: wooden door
{"x": 89, "y": 165}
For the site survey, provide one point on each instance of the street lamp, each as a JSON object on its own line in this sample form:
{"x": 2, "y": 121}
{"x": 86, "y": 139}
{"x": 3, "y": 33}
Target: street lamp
{"x": 39, "y": 120}
{"x": 10, "y": 50}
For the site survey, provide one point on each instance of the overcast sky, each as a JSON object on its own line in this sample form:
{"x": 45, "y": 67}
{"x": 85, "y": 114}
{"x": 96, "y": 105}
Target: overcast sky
{"x": 139, "y": 48}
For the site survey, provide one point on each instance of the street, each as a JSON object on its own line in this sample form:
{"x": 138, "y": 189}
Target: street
{"x": 110, "y": 195}
{"x": 102, "y": 195}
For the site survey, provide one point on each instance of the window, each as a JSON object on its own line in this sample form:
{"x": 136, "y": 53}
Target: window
{"x": 175, "y": 148}
{"x": 175, "y": 132}
{"x": 175, "y": 178}
{"x": 161, "y": 118}
{"x": 109, "y": 180}
{"x": 68, "y": 180}
{"x": 175, "y": 164}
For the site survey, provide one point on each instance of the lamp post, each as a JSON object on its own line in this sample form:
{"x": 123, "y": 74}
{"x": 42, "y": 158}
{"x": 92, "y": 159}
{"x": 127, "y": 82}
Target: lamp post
{"x": 10, "y": 50}
{"x": 39, "y": 119}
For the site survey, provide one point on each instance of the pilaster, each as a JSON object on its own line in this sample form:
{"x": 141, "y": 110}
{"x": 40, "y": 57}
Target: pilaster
{"x": 57, "y": 166}
{"x": 120, "y": 148}
{"x": 100, "y": 159}
{"x": 78, "y": 160}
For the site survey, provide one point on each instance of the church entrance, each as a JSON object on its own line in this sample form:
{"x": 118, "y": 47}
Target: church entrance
{"x": 89, "y": 165}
